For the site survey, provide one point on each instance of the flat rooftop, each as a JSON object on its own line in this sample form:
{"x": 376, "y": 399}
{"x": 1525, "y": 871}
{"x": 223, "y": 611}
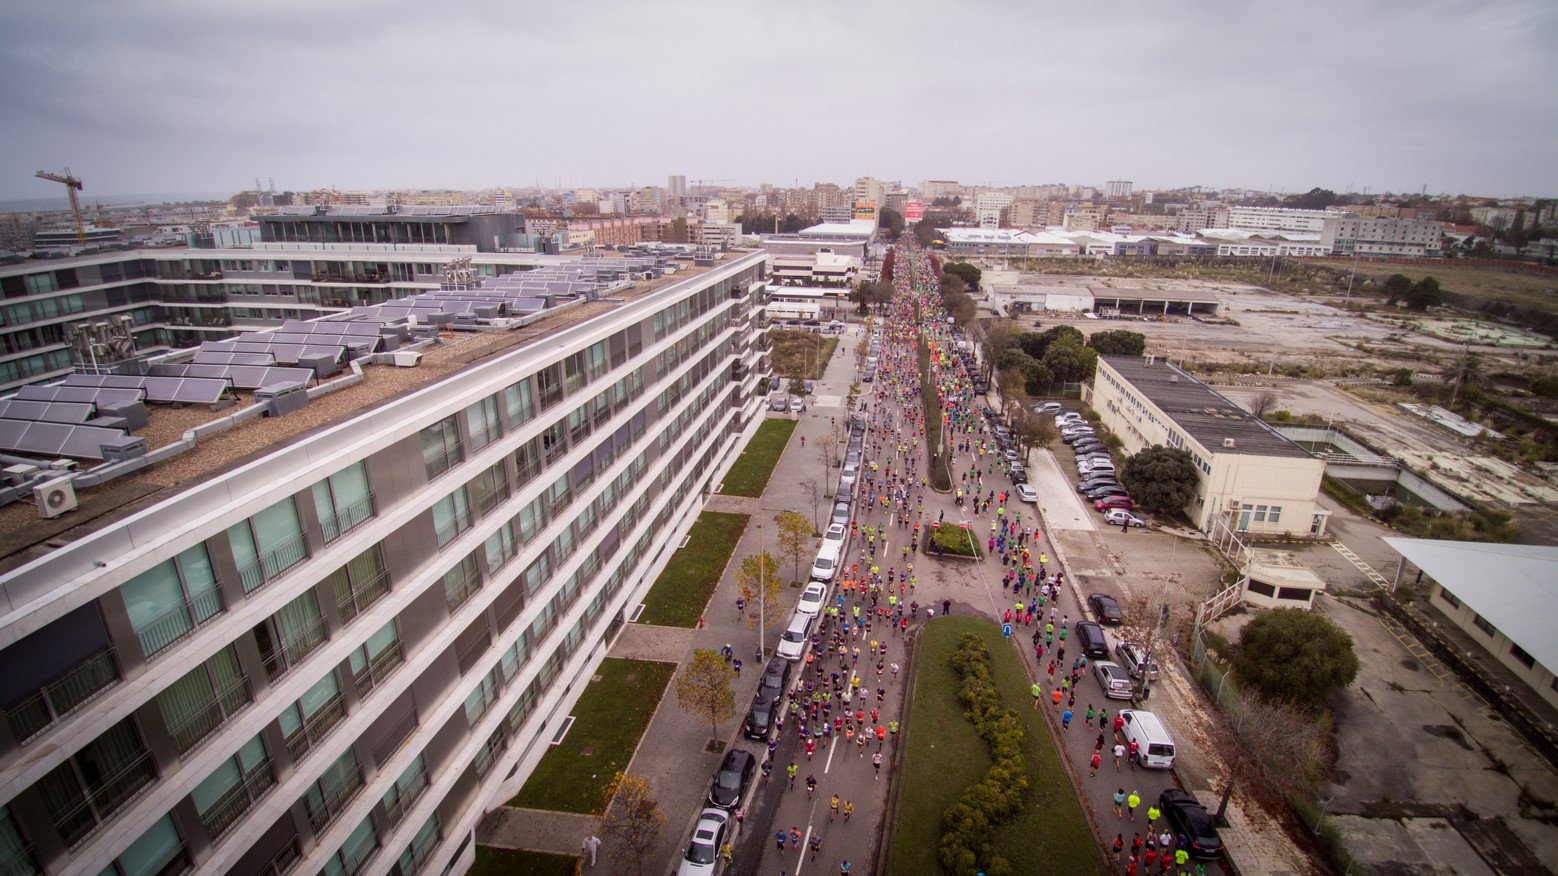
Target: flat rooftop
{"x": 1201, "y": 411}
{"x": 24, "y": 536}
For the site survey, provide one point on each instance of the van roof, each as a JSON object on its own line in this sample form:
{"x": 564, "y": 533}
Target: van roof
{"x": 1148, "y": 722}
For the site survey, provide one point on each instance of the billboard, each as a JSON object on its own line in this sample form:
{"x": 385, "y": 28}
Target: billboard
{"x": 913, "y": 211}
{"x": 865, "y": 210}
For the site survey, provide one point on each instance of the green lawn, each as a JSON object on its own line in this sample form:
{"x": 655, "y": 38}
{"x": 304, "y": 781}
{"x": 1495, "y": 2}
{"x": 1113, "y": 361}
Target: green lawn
{"x": 610, "y": 718}
{"x": 945, "y": 755}
{"x": 502, "y": 862}
{"x": 680, "y": 594}
{"x": 749, "y": 475}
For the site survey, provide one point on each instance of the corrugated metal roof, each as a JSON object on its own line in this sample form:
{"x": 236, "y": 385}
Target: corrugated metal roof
{"x": 1513, "y": 586}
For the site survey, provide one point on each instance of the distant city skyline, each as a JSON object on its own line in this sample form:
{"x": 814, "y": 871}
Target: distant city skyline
{"x": 181, "y": 96}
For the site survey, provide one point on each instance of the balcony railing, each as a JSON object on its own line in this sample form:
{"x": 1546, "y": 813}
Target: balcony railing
{"x": 58, "y": 698}
{"x": 101, "y": 800}
{"x": 347, "y": 518}
{"x": 378, "y": 668}
{"x": 396, "y": 737}
{"x": 207, "y": 717}
{"x": 357, "y": 861}
{"x": 316, "y": 727}
{"x": 456, "y": 593}
{"x": 419, "y": 853}
{"x": 286, "y": 654}
{"x": 408, "y": 798}
{"x": 229, "y": 808}
{"x": 364, "y": 594}
{"x": 180, "y": 621}
{"x": 285, "y": 861}
{"x": 271, "y": 565}
{"x": 468, "y": 653}
{"x": 20, "y": 862}
{"x": 334, "y": 795}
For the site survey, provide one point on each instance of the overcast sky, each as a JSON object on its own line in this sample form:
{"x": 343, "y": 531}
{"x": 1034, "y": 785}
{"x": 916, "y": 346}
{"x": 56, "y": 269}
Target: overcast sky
{"x": 200, "y": 96}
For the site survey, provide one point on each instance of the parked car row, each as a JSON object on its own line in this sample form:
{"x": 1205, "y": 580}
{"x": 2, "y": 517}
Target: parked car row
{"x": 1096, "y": 475}
{"x": 1006, "y": 440}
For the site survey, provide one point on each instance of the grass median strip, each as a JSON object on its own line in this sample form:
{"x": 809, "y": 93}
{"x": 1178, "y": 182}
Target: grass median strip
{"x": 945, "y": 755}
{"x": 504, "y": 862}
{"x": 609, "y": 719}
{"x": 682, "y": 591}
{"x": 748, "y": 476}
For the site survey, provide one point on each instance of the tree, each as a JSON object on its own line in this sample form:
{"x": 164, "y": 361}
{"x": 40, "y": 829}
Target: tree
{"x": 1119, "y": 342}
{"x": 1279, "y": 750}
{"x": 970, "y": 273}
{"x": 795, "y": 536}
{"x": 1425, "y": 293}
{"x": 1012, "y": 392}
{"x": 1036, "y": 374}
{"x": 633, "y": 821}
{"x": 703, "y": 688}
{"x": 1314, "y": 199}
{"x": 677, "y": 233}
{"x": 813, "y": 492}
{"x": 1467, "y": 370}
{"x": 1262, "y": 404}
{"x": 1034, "y": 430}
{"x": 1402, "y": 377}
{"x": 1396, "y": 287}
{"x": 1295, "y": 656}
{"x": 1069, "y": 362}
{"x": 891, "y": 222}
{"x": 1161, "y": 478}
{"x": 828, "y": 445}
{"x": 759, "y": 574}
{"x": 994, "y": 336}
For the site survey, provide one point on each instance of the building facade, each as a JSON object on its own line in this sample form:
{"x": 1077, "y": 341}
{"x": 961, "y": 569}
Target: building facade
{"x": 1380, "y": 236}
{"x": 1276, "y": 219}
{"x": 338, "y": 656}
{"x": 1256, "y": 479}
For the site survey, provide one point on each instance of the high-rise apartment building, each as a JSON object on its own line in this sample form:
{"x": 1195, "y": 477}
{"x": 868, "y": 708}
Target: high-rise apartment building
{"x": 869, "y": 190}
{"x": 676, "y": 188}
{"x": 336, "y": 656}
{"x": 1117, "y": 189}
{"x": 932, "y": 189}
{"x": 1379, "y": 236}
{"x": 1276, "y": 219}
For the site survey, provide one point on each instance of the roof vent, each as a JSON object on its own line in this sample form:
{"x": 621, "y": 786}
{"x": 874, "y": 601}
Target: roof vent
{"x": 1230, "y": 443}
{"x": 1173, "y": 378}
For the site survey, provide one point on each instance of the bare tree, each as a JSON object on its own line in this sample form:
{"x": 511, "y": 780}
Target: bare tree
{"x": 633, "y": 822}
{"x": 1278, "y": 750}
{"x": 813, "y": 493}
{"x": 703, "y": 688}
{"x": 828, "y": 447}
{"x": 1013, "y": 393}
{"x": 994, "y": 337}
{"x": 1263, "y": 403}
{"x": 1034, "y": 430}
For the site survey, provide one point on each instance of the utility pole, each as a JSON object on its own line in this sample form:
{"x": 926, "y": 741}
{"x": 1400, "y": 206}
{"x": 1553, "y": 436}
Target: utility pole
{"x": 762, "y": 591}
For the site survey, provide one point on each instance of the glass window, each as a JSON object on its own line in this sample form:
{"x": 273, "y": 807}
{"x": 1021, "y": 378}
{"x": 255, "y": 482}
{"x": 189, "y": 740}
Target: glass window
{"x": 377, "y": 658}
{"x": 406, "y": 790}
{"x": 170, "y": 599}
{"x": 16, "y": 857}
{"x": 1449, "y": 598}
{"x": 290, "y": 634}
{"x": 324, "y": 800}
{"x": 482, "y": 419}
{"x": 1520, "y": 655}
{"x": 156, "y": 849}
{"x": 500, "y": 547}
{"x": 93, "y": 784}
{"x": 521, "y": 403}
{"x": 441, "y": 447}
{"x": 527, "y": 462}
{"x": 416, "y": 855}
{"x": 313, "y": 716}
{"x": 461, "y": 581}
{"x": 233, "y": 787}
{"x": 267, "y": 544}
{"x": 356, "y": 852}
{"x": 343, "y": 501}
{"x": 451, "y": 516}
{"x": 492, "y": 487}
{"x": 360, "y": 583}
{"x": 203, "y": 699}
{"x": 482, "y": 697}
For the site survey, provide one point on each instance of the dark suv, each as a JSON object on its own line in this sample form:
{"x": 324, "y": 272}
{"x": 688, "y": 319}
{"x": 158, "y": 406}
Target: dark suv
{"x": 1191, "y": 819}
{"x": 1090, "y": 638}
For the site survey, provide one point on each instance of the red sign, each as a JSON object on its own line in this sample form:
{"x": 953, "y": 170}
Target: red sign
{"x": 935, "y": 524}
{"x": 913, "y": 211}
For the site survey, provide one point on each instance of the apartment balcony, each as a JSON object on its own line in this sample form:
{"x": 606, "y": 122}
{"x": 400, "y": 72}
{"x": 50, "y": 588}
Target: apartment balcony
{"x": 64, "y": 695}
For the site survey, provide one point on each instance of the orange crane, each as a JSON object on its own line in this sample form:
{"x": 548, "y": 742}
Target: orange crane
{"x": 72, "y": 185}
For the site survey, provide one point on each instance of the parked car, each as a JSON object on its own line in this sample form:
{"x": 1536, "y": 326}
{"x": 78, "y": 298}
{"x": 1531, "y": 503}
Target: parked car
{"x": 1087, "y": 485}
{"x": 1114, "y": 681}
{"x": 778, "y": 403}
{"x": 1105, "y": 491}
{"x": 776, "y": 676}
{"x": 1108, "y": 502}
{"x": 730, "y": 783}
{"x": 1051, "y": 407}
{"x": 1131, "y": 656}
{"x": 1190, "y": 818}
{"x": 835, "y": 535}
{"x": 1088, "y": 445}
{"x": 841, "y": 514}
{"x": 812, "y": 598}
{"x": 759, "y": 723}
{"x": 796, "y": 637}
{"x": 708, "y": 835}
{"x": 1122, "y": 517}
{"x": 1105, "y": 609}
{"x": 1027, "y": 494}
{"x": 1090, "y": 638}
{"x": 797, "y": 406}
{"x": 847, "y": 476}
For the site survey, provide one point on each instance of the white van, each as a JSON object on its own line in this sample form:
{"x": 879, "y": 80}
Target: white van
{"x": 826, "y": 564}
{"x": 796, "y": 638}
{"x": 1154, "y": 748}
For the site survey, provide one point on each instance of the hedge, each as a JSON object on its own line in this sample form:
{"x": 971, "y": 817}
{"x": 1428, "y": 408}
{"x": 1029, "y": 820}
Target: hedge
{"x": 968, "y": 838}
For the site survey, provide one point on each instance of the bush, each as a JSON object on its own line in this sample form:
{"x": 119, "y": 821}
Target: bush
{"x": 967, "y": 842}
{"x": 955, "y": 540}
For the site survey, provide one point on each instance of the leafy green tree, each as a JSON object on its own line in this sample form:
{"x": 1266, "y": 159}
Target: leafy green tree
{"x": 1396, "y": 287}
{"x": 1069, "y": 361}
{"x": 1295, "y": 656}
{"x": 703, "y": 688}
{"x": 1119, "y": 342}
{"x": 759, "y": 574}
{"x": 1402, "y": 377}
{"x": 795, "y": 536}
{"x": 1161, "y": 478}
{"x": 1059, "y": 334}
{"x": 1314, "y": 199}
{"x": 970, "y": 274}
{"x": 891, "y": 222}
{"x": 1425, "y": 293}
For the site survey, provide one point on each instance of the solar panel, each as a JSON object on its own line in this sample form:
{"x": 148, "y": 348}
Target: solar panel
{"x": 171, "y": 390}
{"x": 58, "y": 439}
{"x": 88, "y": 395}
{"x": 46, "y": 412}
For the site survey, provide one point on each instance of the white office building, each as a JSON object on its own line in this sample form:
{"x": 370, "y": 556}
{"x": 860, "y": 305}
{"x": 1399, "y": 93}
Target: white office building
{"x": 1276, "y": 219}
{"x": 336, "y": 656}
{"x": 1378, "y": 236}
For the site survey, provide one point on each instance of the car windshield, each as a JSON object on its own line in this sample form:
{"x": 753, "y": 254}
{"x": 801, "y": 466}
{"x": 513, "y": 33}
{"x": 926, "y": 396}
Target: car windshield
{"x": 729, "y": 780}
{"x": 700, "y": 853}
{"x": 792, "y": 636}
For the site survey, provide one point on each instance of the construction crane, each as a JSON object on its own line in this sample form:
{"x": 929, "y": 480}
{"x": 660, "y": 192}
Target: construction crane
{"x": 72, "y": 185}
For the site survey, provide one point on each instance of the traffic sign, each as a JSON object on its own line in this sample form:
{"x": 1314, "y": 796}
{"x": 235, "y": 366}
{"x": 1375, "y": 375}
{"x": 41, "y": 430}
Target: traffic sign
{"x": 1006, "y": 630}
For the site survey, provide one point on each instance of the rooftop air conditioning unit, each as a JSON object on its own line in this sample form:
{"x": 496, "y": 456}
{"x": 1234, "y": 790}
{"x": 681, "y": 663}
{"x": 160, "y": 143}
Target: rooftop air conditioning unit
{"x": 1230, "y": 443}
{"x": 54, "y": 498}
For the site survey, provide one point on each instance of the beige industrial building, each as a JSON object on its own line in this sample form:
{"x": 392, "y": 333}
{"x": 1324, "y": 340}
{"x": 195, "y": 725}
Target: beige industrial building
{"x": 1263, "y": 482}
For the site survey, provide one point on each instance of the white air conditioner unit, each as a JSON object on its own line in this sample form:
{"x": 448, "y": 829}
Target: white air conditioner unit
{"x": 54, "y": 498}
{"x": 1230, "y": 442}
{"x": 1234, "y": 504}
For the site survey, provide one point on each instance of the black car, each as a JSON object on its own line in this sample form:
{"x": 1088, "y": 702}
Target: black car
{"x": 730, "y": 783}
{"x": 1090, "y": 638}
{"x": 1190, "y": 818}
{"x": 760, "y": 717}
{"x": 1104, "y": 492}
{"x": 1084, "y": 448}
{"x": 1089, "y": 484}
{"x": 1105, "y": 608}
{"x": 776, "y": 677}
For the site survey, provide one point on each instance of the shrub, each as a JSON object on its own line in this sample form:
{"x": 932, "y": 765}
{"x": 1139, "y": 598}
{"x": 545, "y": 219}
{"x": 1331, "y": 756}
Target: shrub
{"x": 967, "y": 841}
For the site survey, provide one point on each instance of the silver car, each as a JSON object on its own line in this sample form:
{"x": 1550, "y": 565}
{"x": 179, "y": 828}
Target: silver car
{"x": 1113, "y": 679}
